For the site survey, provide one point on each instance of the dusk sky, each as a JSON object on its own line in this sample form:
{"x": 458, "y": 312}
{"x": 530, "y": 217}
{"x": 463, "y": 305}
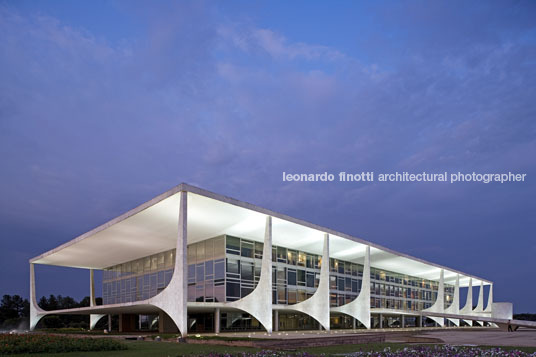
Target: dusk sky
{"x": 106, "y": 104}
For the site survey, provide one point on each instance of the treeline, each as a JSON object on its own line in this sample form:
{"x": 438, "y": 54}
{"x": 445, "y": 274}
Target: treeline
{"x": 525, "y": 316}
{"x": 15, "y": 312}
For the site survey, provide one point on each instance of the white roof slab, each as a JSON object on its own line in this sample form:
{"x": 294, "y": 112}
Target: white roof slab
{"x": 152, "y": 228}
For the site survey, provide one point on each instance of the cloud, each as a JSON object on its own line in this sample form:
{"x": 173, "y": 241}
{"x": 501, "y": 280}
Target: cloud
{"x": 91, "y": 127}
{"x": 278, "y": 47}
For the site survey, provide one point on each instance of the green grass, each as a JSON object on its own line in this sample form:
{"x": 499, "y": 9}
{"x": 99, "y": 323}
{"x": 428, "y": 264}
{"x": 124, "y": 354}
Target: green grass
{"x": 156, "y": 349}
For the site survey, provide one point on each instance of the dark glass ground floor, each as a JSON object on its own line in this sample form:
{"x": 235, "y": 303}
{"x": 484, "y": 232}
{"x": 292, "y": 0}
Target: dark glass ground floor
{"x": 205, "y": 322}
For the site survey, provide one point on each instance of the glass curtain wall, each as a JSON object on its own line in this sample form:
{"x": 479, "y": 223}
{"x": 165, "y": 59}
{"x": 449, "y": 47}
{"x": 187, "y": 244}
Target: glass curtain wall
{"x": 139, "y": 279}
{"x": 228, "y": 268}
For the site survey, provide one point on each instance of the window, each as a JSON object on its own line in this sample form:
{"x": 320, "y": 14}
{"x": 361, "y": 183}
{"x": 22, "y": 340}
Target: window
{"x": 301, "y": 259}
{"x": 281, "y": 254}
{"x": 292, "y": 298}
{"x": 354, "y": 286}
{"x": 340, "y": 284}
{"x": 200, "y": 252}
{"x": 333, "y": 299}
{"x": 301, "y": 277}
{"x": 161, "y": 262}
{"x": 192, "y": 251}
{"x": 246, "y": 291}
{"x": 219, "y": 248}
{"x": 258, "y": 250}
{"x": 355, "y": 269}
{"x": 233, "y": 289}
{"x": 161, "y": 280}
{"x": 233, "y": 267}
{"x": 310, "y": 261}
{"x": 333, "y": 282}
{"x": 247, "y": 270}
{"x": 219, "y": 293}
{"x": 233, "y": 245}
{"x": 219, "y": 269}
{"x": 147, "y": 264}
{"x": 341, "y": 267}
{"x": 258, "y": 268}
{"x": 169, "y": 260}
{"x": 341, "y": 300}
{"x": 209, "y": 292}
{"x": 209, "y": 270}
{"x": 292, "y": 257}
{"x": 200, "y": 292}
{"x": 200, "y": 273}
{"x": 209, "y": 249}
{"x": 291, "y": 277}
{"x": 247, "y": 249}
{"x": 348, "y": 284}
{"x": 191, "y": 274}
{"x": 281, "y": 295}
{"x": 310, "y": 280}
{"x": 281, "y": 275}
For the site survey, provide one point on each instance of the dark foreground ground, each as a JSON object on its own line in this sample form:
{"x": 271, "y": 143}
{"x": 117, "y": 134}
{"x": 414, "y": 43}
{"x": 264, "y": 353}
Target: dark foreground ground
{"x": 481, "y": 339}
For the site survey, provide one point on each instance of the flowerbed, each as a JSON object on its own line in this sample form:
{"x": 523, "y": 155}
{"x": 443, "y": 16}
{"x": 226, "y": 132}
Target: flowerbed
{"x": 417, "y": 351}
{"x": 444, "y": 351}
{"x": 38, "y": 343}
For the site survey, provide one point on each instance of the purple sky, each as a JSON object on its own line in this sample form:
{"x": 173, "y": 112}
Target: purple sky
{"x": 104, "y": 105}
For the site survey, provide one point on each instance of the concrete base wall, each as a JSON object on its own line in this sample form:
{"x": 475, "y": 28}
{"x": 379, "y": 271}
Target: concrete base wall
{"x": 502, "y": 310}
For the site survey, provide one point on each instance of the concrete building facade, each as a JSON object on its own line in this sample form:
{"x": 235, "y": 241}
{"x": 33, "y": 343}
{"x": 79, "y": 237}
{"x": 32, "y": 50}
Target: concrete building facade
{"x": 191, "y": 260}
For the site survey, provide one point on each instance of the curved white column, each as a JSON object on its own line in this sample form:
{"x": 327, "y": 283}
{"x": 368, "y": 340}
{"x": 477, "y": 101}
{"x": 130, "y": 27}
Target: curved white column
{"x": 480, "y": 305}
{"x": 36, "y": 313}
{"x": 359, "y": 308}
{"x": 439, "y": 305}
{"x": 490, "y": 299}
{"x": 172, "y": 300}
{"x": 317, "y": 306}
{"x": 454, "y": 308}
{"x": 93, "y": 318}
{"x": 259, "y": 302}
{"x": 468, "y": 308}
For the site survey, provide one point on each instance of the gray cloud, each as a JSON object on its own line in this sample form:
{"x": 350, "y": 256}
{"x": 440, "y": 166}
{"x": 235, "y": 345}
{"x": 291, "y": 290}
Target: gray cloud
{"x": 91, "y": 128}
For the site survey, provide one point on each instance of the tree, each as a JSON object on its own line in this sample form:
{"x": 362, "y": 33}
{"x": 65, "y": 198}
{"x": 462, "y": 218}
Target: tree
{"x": 53, "y": 302}
{"x": 84, "y": 302}
{"x": 14, "y": 310}
{"x": 43, "y": 303}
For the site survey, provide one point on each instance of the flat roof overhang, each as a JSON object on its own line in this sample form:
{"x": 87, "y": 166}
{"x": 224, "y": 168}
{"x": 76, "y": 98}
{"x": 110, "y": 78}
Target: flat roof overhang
{"x": 153, "y": 227}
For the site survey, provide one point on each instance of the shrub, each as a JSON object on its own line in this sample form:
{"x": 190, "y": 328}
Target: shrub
{"x": 41, "y": 343}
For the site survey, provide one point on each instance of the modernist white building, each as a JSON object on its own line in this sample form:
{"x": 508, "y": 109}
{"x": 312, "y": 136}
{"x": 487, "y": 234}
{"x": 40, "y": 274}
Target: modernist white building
{"x": 200, "y": 261}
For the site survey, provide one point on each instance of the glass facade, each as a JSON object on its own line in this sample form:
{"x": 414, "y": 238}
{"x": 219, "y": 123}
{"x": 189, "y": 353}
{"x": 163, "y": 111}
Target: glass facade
{"x": 139, "y": 279}
{"x": 390, "y": 290}
{"x": 228, "y": 268}
{"x": 206, "y": 270}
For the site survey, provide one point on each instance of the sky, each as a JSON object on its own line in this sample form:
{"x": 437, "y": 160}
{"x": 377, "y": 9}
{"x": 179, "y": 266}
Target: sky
{"x": 106, "y": 104}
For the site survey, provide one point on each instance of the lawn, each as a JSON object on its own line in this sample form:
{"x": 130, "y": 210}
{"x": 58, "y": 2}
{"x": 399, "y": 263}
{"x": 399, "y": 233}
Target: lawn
{"x": 150, "y": 348}
{"x": 156, "y": 349}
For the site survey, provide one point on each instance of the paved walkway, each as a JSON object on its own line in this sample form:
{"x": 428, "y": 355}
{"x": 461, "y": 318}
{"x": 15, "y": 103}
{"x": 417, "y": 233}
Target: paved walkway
{"x": 316, "y": 333}
{"x": 521, "y": 337}
{"x": 453, "y": 336}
